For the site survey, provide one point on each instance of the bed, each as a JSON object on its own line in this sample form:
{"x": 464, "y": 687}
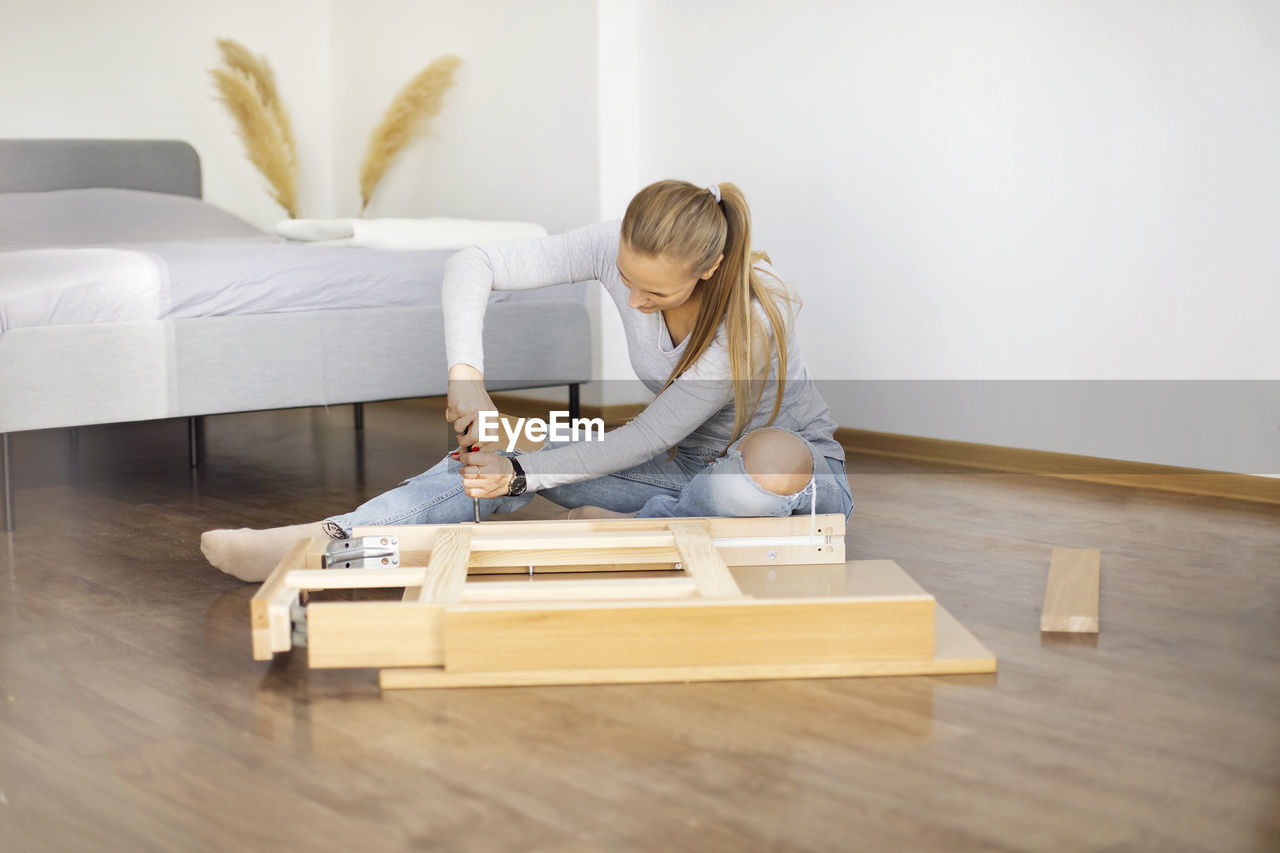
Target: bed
{"x": 134, "y": 339}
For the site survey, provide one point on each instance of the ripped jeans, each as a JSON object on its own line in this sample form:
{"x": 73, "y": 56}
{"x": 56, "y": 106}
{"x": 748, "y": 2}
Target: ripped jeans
{"x": 695, "y": 482}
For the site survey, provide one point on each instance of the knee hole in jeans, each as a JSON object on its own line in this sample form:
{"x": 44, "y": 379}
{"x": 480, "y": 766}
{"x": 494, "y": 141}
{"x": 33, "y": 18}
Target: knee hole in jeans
{"x": 779, "y": 461}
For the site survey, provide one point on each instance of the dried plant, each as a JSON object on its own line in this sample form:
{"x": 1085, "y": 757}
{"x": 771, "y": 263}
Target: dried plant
{"x": 247, "y": 87}
{"x": 406, "y": 118}
{"x": 238, "y": 58}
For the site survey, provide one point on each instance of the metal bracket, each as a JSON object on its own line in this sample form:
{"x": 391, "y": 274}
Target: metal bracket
{"x": 366, "y": 552}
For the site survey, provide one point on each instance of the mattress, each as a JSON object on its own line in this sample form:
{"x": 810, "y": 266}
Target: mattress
{"x": 45, "y": 287}
{"x": 50, "y": 287}
{"x": 91, "y": 256}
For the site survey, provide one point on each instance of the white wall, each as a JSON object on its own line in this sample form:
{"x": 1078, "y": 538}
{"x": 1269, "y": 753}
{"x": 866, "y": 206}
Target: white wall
{"x": 132, "y": 69}
{"x": 516, "y": 138}
{"x": 996, "y": 190}
{"x": 620, "y": 134}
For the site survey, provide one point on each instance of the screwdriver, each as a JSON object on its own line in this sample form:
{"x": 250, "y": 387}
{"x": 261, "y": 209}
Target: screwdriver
{"x": 475, "y": 502}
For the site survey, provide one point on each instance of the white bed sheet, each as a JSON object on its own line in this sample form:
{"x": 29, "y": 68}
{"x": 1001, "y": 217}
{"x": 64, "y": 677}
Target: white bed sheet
{"x": 47, "y": 287}
{"x": 214, "y": 278}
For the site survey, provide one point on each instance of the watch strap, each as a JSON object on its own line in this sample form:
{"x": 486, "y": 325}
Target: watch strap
{"x": 518, "y": 481}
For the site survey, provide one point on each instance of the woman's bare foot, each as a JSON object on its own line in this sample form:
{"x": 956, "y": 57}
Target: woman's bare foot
{"x": 597, "y": 512}
{"x": 250, "y": 555}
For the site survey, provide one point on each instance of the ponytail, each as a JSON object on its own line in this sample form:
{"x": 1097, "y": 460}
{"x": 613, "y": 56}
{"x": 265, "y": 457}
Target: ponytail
{"x": 684, "y": 222}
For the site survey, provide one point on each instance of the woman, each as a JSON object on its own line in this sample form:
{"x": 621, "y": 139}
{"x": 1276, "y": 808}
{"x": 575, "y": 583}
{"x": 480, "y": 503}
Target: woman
{"x": 709, "y": 329}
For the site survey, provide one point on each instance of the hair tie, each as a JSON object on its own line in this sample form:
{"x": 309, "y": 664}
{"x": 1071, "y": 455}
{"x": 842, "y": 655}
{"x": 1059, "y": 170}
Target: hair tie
{"x": 714, "y": 189}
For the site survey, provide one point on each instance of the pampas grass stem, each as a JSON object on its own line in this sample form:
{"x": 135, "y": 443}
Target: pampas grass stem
{"x": 406, "y": 118}
{"x": 247, "y": 87}
{"x": 238, "y": 58}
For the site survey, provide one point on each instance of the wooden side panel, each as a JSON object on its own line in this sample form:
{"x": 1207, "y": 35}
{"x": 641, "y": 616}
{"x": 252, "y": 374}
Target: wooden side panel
{"x": 694, "y": 632}
{"x": 1071, "y": 593}
{"x": 958, "y": 651}
{"x": 374, "y": 633}
{"x": 702, "y": 562}
{"x": 269, "y": 607}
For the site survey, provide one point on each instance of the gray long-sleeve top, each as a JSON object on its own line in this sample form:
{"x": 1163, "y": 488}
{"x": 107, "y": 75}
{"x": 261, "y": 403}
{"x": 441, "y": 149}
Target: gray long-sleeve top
{"x": 697, "y": 409}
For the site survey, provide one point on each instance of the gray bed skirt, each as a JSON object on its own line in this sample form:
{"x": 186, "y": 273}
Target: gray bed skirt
{"x": 60, "y": 376}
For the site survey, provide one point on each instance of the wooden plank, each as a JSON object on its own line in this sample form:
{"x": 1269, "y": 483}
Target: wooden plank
{"x": 621, "y": 589}
{"x": 591, "y": 541}
{"x": 701, "y": 560}
{"x": 447, "y": 571}
{"x": 643, "y": 559}
{"x": 696, "y": 632}
{"x": 550, "y": 555}
{"x": 1071, "y": 593}
{"x": 475, "y": 572}
{"x": 676, "y": 586}
{"x": 316, "y": 579}
{"x": 957, "y": 652}
{"x": 624, "y": 587}
{"x": 831, "y": 553}
{"x": 269, "y": 608}
{"x": 640, "y": 559}
{"x": 374, "y": 633}
{"x": 419, "y": 537}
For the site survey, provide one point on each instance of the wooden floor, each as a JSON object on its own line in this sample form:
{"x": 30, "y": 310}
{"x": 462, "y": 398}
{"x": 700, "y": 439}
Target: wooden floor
{"x": 132, "y": 716}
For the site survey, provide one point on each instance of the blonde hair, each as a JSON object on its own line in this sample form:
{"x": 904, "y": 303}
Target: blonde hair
{"x": 685, "y": 223}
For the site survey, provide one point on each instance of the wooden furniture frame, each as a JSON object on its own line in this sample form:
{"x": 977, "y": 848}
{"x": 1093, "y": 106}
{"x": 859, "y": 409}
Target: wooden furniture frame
{"x": 507, "y": 603}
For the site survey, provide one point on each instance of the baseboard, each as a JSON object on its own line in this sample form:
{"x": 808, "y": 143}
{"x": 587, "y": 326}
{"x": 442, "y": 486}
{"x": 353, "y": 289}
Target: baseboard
{"x": 1046, "y": 463}
{"x": 986, "y": 457}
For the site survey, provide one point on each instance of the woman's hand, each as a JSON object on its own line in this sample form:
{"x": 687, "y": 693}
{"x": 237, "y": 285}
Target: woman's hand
{"x": 485, "y": 475}
{"x": 467, "y": 398}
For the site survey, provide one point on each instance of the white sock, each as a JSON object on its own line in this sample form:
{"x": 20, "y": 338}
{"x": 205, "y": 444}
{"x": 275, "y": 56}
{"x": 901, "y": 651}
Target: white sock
{"x": 249, "y": 554}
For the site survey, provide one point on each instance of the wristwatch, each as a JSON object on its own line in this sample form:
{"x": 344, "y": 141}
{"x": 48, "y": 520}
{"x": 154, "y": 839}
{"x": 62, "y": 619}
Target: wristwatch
{"x": 518, "y": 482}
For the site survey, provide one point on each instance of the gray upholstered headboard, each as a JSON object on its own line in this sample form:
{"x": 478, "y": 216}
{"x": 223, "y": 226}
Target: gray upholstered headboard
{"x": 164, "y": 166}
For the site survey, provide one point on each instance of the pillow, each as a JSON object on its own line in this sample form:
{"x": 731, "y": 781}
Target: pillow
{"x": 101, "y": 216}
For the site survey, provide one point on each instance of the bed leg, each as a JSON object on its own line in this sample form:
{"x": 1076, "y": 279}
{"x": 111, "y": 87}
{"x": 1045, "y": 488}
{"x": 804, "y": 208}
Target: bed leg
{"x": 575, "y": 405}
{"x": 359, "y": 416}
{"x": 6, "y": 460}
{"x": 195, "y": 441}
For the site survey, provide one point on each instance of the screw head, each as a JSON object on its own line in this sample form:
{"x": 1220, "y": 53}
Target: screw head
{"x": 773, "y": 555}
